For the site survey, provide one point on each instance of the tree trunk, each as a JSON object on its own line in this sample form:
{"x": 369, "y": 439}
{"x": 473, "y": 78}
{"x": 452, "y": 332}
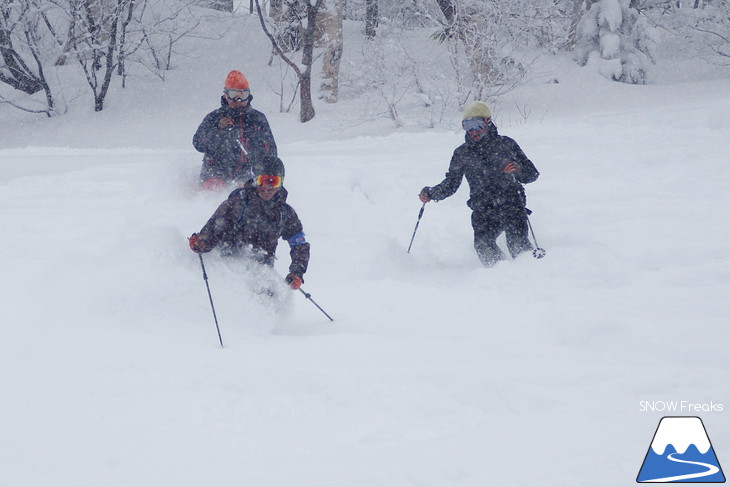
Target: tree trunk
{"x": 20, "y": 78}
{"x": 574, "y": 20}
{"x": 447, "y": 8}
{"x": 112, "y": 48}
{"x": 332, "y": 19}
{"x": 18, "y": 75}
{"x": 50, "y": 102}
{"x": 121, "y": 66}
{"x": 305, "y": 88}
{"x": 371, "y": 18}
{"x": 222, "y": 5}
{"x": 306, "y": 112}
{"x": 276, "y": 9}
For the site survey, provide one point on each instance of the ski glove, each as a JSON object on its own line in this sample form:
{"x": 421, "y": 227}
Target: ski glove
{"x": 425, "y": 195}
{"x": 213, "y": 184}
{"x": 294, "y": 281}
{"x": 225, "y": 122}
{"x": 197, "y": 245}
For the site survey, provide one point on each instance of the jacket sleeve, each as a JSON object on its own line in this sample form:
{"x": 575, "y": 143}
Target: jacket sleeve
{"x": 267, "y": 137}
{"x": 528, "y": 172}
{"x": 452, "y": 181}
{"x": 215, "y": 142}
{"x": 293, "y": 233}
{"x": 217, "y": 225}
{"x": 206, "y": 133}
{"x": 261, "y": 139}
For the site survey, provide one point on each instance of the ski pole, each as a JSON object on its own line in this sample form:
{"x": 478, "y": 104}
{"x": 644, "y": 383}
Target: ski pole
{"x": 205, "y": 278}
{"x": 420, "y": 214}
{"x": 538, "y": 253}
{"x": 309, "y": 297}
{"x": 243, "y": 149}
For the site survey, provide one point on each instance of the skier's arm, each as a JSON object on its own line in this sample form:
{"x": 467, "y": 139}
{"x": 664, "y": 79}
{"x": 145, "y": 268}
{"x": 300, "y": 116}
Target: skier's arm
{"x": 216, "y": 135}
{"x": 205, "y": 134}
{"x": 261, "y": 139}
{"x": 526, "y": 171}
{"x": 451, "y": 182}
{"x": 268, "y": 137}
{"x": 293, "y": 233}
{"x": 216, "y": 226}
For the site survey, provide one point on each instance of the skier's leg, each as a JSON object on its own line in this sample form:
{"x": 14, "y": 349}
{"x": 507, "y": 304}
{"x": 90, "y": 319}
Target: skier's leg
{"x": 515, "y": 223}
{"x": 486, "y": 230}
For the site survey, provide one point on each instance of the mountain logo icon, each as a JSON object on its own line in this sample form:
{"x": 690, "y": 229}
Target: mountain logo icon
{"x": 680, "y": 452}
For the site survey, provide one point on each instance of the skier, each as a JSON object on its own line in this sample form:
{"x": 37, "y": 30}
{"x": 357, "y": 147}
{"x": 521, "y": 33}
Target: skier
{"x": 250, "y": 222}
{"x": 233, "y": 136}
{"x": 495, "y": 168}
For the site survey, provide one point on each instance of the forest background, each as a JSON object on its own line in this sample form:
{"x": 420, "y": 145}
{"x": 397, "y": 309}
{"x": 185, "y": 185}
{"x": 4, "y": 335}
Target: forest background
{"x": 412, "y": 60}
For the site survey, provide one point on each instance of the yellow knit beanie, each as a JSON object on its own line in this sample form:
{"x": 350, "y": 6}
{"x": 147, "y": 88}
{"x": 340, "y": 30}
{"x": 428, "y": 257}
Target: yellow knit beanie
{"x": 478, "y": 109}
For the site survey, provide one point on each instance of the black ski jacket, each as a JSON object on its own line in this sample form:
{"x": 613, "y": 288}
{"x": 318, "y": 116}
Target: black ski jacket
{"x": 229, "y": 152}
{"x": 482, "y": 163}
{"x": 245, "y": 222}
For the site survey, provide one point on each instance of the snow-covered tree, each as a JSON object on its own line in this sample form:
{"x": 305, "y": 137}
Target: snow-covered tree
{"x": 617, "y": 41}
{"x": 155, "y": 32}
{"x": 42, "y": 41}
{"x": 702, "y": 28}
{"x": 712, "y": 28}
{"x": 486, "y": 40}
{"x": 24, "y": 55}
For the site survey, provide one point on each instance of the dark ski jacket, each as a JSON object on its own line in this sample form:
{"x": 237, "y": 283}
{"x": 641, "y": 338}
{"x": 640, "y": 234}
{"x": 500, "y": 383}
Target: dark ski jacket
{"x": 245, "y": 222}
{"x": 230, "y": 152}
{"x": 482, "y": 163}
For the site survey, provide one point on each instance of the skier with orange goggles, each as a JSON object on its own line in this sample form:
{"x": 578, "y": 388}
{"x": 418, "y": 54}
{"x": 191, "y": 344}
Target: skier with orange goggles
{"x": 253, "y": 218}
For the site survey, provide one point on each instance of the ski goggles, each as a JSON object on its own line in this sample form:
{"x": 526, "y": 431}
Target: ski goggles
{"x": 237, "y": 95}
{"x": 474, "y": 124}
{"x": 271, "y": 181}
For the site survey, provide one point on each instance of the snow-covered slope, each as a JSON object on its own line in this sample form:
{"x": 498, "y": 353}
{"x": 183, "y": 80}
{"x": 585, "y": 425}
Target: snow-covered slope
{"x": 435, "y": 372}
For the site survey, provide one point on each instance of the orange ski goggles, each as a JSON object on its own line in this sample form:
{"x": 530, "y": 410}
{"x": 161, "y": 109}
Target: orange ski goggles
{"x": 272, "y": 181}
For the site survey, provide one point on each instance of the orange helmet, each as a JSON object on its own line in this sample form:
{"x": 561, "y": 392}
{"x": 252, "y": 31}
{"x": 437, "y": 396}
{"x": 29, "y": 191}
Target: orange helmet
{"x": 236, "y": 81}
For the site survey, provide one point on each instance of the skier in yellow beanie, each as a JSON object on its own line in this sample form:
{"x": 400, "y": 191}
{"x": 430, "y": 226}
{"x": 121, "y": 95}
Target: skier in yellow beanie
{"x": 496, "y": 169}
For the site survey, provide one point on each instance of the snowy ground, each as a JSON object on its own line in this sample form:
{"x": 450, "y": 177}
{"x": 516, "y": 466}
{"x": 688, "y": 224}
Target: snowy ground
{"x": 436, "y": 371}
